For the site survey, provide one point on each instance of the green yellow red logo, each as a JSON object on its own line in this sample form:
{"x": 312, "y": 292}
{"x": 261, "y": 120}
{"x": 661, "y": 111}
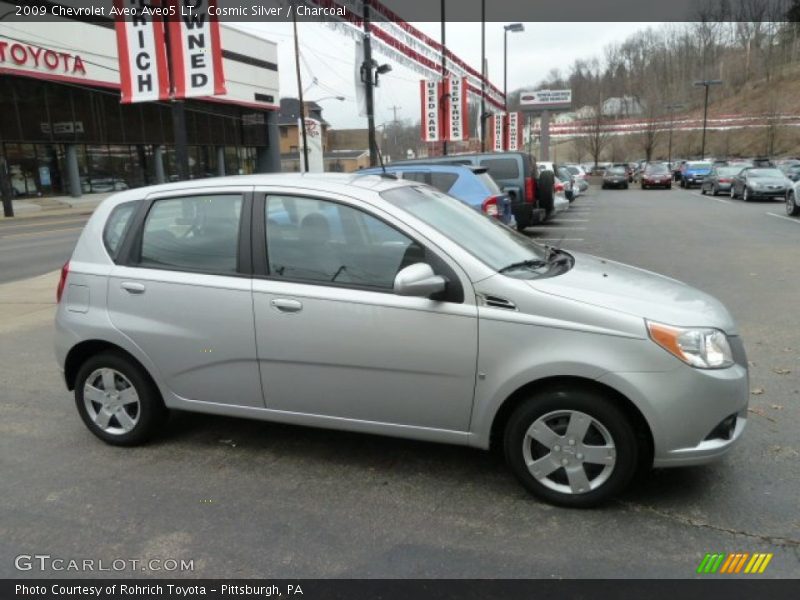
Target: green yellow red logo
{"x": 735, "y": 563}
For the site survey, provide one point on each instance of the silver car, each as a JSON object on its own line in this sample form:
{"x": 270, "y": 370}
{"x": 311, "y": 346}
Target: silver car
{"x": 384, "y": 306}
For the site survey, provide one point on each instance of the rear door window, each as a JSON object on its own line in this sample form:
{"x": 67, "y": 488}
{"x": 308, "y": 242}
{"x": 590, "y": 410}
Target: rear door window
{"x": 502, "y": 168}
{"x": 443, "y": 181}
{"x": 195, "y": 233}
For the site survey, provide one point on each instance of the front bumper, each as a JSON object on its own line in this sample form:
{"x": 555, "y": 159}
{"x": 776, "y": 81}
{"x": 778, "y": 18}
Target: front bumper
{"x": 762, "y": 193}
{"x": 685, "y": 407}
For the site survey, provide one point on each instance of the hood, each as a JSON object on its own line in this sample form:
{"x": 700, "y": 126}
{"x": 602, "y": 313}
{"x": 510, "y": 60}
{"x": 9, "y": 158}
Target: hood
{"x": 698, "y": 171}
{"x": 619, "y": 287}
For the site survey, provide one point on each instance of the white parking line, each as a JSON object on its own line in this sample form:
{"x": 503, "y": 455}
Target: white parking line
{"x": 795, "y": 221}
{"x": 558, "y": 239}
{"x": 560, "y": 220}
{"x": 711, "y": 197}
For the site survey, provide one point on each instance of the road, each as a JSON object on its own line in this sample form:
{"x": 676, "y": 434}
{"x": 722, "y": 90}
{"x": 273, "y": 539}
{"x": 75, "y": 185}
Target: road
{"x": 30, "y": 247}
{"x": 250, "y": 499}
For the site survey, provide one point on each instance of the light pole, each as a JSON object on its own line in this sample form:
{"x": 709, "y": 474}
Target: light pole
{"x": 706, "y": 83}
{"x": 671, "y": 108}
{"x": 6, "y": 190}
{"x": 515, "y": 28}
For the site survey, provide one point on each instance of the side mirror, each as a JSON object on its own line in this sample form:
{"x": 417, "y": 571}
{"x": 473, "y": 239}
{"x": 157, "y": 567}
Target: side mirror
{"x": 418, "y": 280}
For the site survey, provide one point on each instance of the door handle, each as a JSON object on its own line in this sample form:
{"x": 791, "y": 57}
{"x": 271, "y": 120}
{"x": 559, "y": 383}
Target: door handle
{"x": 286, "y": 305}
{"x": 133, "y": 287}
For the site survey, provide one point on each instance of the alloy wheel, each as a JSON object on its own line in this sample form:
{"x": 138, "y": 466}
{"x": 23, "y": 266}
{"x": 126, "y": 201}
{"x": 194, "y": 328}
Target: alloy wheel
{"x": 569, "y": 451}
{"x": 111, "y": 401}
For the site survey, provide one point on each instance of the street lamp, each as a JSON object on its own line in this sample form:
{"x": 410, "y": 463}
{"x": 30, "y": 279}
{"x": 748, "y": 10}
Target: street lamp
{"x": 339, "y": 98}
{"x": 514, "y": 28}
{"x": 671, "y": 108}
{"x": 706, "y": 83}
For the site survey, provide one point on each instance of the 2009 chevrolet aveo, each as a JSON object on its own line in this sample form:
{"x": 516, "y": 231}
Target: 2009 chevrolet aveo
{"x": 382, "y": 306}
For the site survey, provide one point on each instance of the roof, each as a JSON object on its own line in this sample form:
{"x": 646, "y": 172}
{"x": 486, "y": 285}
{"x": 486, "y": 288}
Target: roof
{"x": 331, "y": 182}
{"x": 290, "y": 112}
{"x": 346, "y": 153}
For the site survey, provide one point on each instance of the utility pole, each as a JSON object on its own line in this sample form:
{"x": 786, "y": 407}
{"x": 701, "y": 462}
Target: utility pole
{"x": 444, "y": 99}
{"x": 671, "y": 108}
{"x": 394, "y": 109}
{"x": 366, "y": 78}
{"x": 6, "y": 190}
{"x": 706, "y": 83}
{"x": 300, "y": 93}
{"x": 482, "y": 117}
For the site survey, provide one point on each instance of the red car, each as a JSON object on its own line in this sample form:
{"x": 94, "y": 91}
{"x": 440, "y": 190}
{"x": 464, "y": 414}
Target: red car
{"x": 656, "y": 175}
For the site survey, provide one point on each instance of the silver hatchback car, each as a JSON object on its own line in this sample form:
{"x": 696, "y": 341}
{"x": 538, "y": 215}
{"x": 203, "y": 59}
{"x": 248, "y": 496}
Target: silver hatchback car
{"x": 382, "y": 306}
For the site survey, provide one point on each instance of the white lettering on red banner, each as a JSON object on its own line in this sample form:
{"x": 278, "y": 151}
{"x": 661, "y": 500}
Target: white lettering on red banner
{"x": 142, "y": 54}
{"x": 431, "y": 128}
{"x": 195, "y": 49}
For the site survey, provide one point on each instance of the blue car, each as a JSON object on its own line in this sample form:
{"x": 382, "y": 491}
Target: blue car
{"x": 471, "y": 184}
{"x": 693, "y": 173}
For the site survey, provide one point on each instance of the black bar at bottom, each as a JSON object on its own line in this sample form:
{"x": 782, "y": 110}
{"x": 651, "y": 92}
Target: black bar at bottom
{"x": 711, "y": 588}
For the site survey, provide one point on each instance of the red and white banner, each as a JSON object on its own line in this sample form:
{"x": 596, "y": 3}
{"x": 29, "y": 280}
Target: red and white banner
{"x": 142, "y": 54}
{"x": 195, "y": 49}
{"x": 430, "y": 93}
{"x": 457, "y": 115}
{"x": 514, "y": 131}
{"x": 497, "y": 134}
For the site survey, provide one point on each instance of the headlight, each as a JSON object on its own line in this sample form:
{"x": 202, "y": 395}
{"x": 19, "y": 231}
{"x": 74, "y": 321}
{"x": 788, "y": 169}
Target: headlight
{"x": 700, "y": 347}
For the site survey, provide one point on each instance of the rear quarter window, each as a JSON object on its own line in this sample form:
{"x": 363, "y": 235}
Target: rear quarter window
{"x": 116, "y": 226}
{"x": 502, "y": 168}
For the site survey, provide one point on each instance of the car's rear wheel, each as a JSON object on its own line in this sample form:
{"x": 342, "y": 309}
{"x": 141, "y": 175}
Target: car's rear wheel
{"x": 117, "y": 400}
{"x": 792, "y": 209}
{"x": 702, "y": 191}
{"x": 715, "y": 191}
{"x": 571, "y": 447}
{"x": 733, "y": 192}
{"x": 746, "y": 194}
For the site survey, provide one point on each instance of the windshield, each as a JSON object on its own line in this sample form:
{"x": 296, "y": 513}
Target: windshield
{"x": 728, "y": 171}
{"x": 700, "y": 166}
{"x": 616, "y": 171}
{"x": 765, "y": 173}
{"x": 656, "y": 169}
{"x": 484, "y": 237}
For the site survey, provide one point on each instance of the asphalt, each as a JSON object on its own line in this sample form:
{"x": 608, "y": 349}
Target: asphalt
{"x": 38, "y": 244}
{"x": 250, "y": 499}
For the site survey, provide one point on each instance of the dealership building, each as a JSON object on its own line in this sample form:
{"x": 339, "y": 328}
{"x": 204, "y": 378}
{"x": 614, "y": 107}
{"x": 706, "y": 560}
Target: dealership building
{"x": 63, "y": 130}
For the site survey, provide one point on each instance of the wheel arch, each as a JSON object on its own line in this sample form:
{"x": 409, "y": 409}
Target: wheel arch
{"x": 81, "y": 352}
{"x": 644, "y": 434}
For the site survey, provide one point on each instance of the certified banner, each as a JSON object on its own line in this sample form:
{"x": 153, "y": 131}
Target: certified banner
{"x": 514, "y": 132}
{"x": 195, "y": 49}
{"x": 457, "y": 113}
{"x": 430, "y": 93}
{"x": 142, "y": 54}
{"x": 497, "y": 131}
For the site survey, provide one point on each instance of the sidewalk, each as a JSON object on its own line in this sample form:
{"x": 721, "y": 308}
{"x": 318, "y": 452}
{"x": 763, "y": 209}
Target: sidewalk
{"x": 28, "y": 302}
{"x": 54, "y": 205}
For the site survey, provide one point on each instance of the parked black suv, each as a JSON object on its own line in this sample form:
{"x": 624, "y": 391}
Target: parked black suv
{"x": 517, "y": 175}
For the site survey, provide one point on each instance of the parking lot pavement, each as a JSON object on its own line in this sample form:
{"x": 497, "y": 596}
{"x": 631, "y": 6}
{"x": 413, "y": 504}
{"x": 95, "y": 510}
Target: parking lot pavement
{"x": 249, "y": 499}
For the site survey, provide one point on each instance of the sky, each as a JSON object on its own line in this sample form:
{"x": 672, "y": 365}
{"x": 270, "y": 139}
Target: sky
{"x": 329, "y": 56}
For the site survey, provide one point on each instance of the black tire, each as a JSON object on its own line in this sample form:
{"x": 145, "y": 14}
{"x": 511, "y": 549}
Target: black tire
{"x": 715, "y": 191}
{"x": 792, "y": 208}
{"x": 151, "y": 413}
{"x": 625, "y": 187}
{"x": 745, "y": 195}
{"x": 683, "y": 184}
{"x": 601, "y": 410}
{"x": 545, "y": 190}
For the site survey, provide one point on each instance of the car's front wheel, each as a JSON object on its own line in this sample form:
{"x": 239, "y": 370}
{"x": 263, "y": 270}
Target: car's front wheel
{"x": 792, "y": 208}
{"x": 571, "y": 447}
{"x": 117, "y": 401}
{"x": 746, "y": 194}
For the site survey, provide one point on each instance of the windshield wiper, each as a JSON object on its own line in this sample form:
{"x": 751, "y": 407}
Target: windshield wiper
{"x": 532, "y": 263}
